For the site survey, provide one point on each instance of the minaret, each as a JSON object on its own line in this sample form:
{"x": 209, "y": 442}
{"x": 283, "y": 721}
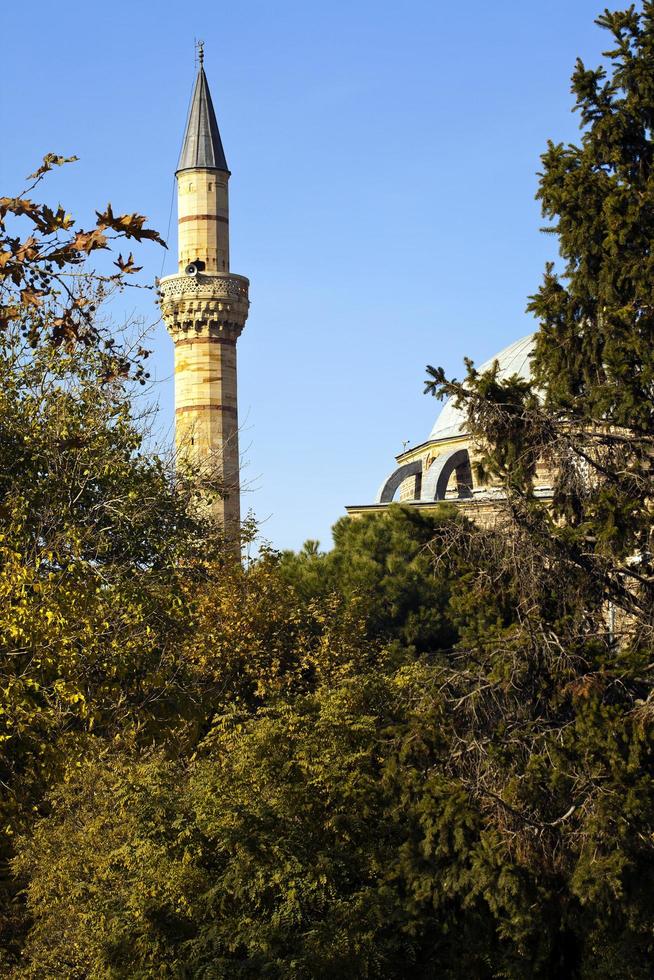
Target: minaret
{"x": 205, "y": 308}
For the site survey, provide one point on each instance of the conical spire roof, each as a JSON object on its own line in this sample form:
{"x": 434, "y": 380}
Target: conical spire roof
{"x": 202, "y": 148}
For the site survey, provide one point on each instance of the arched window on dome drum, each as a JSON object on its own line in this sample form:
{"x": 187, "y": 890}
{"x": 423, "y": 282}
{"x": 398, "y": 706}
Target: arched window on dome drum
{"x": 435, "y": 480}
{"x": 437, "y": 477}
{"x": 392, "y": 483}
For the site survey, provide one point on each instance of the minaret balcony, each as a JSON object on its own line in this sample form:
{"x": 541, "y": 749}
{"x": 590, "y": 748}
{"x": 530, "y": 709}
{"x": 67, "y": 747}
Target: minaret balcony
{"x": 216, "y": 305}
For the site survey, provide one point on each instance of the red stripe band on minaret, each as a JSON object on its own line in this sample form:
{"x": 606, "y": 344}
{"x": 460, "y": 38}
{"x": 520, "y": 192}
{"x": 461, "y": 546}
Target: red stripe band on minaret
{"x": 201, "y": 408}
{"x": 204, "y": 217}
{"x": 186, "y": 341}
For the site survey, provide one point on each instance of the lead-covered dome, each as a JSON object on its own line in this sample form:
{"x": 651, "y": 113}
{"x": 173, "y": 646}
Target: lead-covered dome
{"x": 514, "y": 359}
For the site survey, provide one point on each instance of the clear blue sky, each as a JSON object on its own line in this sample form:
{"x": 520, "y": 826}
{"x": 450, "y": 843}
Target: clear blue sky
{"x": 383, "y": 159}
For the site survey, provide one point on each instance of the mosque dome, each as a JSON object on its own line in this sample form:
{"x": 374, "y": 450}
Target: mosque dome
{"x": 514, "y": 359}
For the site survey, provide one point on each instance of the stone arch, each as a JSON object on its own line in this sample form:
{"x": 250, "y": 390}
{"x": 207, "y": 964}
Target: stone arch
{"x": 437, "y": 477}
{"x": 390, "y": 486}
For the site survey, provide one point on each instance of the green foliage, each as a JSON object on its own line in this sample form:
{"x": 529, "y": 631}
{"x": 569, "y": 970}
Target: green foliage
{"x": 342, "y": 834}
{"x": 98, "y": 554}
{"x": 573, "y": 751}
{"x": 594, "y": 347}
{"x": 254, "y": 638}
{"x": 586, "y": 422}
{"x": 99, "y": 545}
{"x": 386, "y": 565}
{"x": 485, "y": 810}
{"x": 297, "y": 844}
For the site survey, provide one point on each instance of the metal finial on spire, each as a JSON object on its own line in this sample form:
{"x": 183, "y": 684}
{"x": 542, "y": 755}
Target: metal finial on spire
{"x": 201, "y": 53}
